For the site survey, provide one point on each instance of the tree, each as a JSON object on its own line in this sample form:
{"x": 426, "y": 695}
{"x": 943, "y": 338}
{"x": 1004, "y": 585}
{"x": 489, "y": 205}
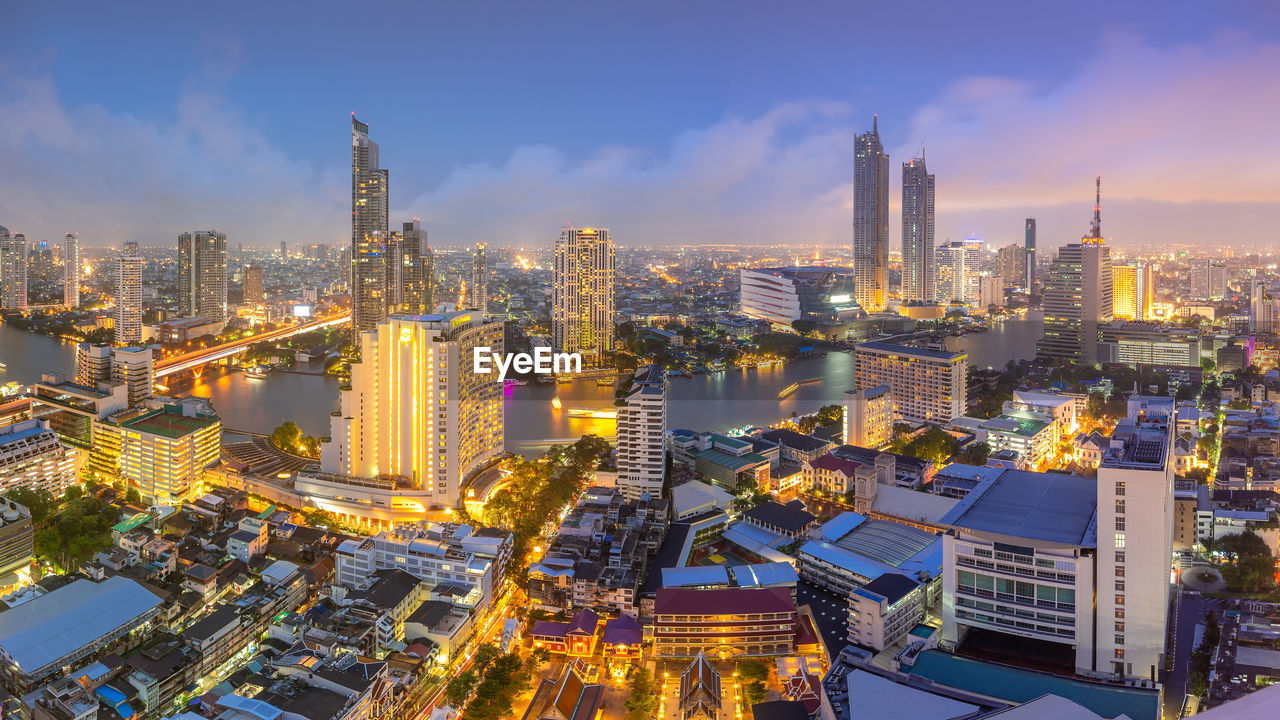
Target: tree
{"x": 803, "y": 327}
{"x": 975, "y": 454}
{"x": 485, "y": 655}
{"x": 132, "y": 495}
{"x": 459, "y": 688}
{"x": 754, "y": 692}
{"x": 753, "y": 670}
{"x": 39, "y": 501}
{"x": 642, "y": 702}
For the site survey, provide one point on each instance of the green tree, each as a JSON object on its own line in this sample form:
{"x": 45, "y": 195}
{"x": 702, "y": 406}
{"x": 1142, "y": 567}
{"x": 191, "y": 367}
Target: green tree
{"x": 754, "y": 692}
{"x": 642, "y": 702}
{"x": 459, "y": 688}
{"x": 753, "y": 670}
{"x": 39, "y": 501}
{"x": 132, "y": 495}
{"x": 975, "y": 454}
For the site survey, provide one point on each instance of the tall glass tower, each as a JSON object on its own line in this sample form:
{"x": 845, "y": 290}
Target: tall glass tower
{"x": 919, "y": 273}
{"x": 870, "y": 220}
{"x": 369, "y": 231}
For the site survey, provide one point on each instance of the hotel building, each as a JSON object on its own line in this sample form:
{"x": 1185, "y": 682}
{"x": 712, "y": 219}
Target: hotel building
{"x": 926, "y": 385}
{"x": 582, "y": 292}
{"x": 642, "y": 434}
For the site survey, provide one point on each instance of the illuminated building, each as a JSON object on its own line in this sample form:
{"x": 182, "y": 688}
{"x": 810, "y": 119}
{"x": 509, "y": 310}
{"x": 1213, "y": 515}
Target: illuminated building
{"x": 128, "y": 286}
{"x": 1208, "y": 280}
{"x": 783, "y": 295}
{"x": 724, "y": 622}
{"x": 1030, "y": 248}
{"x": 71, "y": 271}
{"x": 990, "y": 292}
{"x": 253, "y": 293}
{"x": 1078, "y": 296}
{"x": 1148, "y": 343}
{"x": 583, "y": 300}
{"x": 868, "y": 417}
{"x": 416, "y": 270}
{"x": 98, "y": 363}
{"x": 415, "y": 421}
{"x": 13, "y": 271}
{"x": 31, "y": 456}
{"x": 919, "y": 272}
{"x": 202, "y": 275}
{"x": 926, "y": 385}
{"x": 871, "y": 220}
{"x": 1012, "y": 263}
{"x": 369, "y": 231}
{"x": 479, "y": 287}
{"x": 1131, "y": 291}
{"x": 162, "y": 453}
{"x": 642, "y": 434}
{"x": 958, "y": 266}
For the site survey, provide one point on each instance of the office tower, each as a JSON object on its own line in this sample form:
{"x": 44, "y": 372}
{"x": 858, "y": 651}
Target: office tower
{"x": 871, "y": 220}
{"x": 416, "y": 270}
{"x": 416, "y": 408}
{"x": 1262, "y": 309}
{"x": 642, "y": 434}
{"x": 1131, "y": 291}
{"x": 129, "y": 445}
{"x": 783, "y": 295}
{"x": 202, "y": 275}
{"x": 1012, "y": 261}
{"x": 868, "y": 417}
{"x": 253, "y": 293}
{"x": 13, "y": 271}
{"x": 958, "y": 266}
{"x": 582, "y": 297}
{"x": 284, "y": 250}
{"x": 918, "y": 268}
{"x": 926, "y": 385}
{"x": 31, "y": 456}
{"x": 369, "y": 231}
{"x": 1208, "y": 280}
{"x": 71, "y": 271}
{"x": 128, "y": 287}
{"x": 1030, "y": 247}
{"x": 1078, "y": 296}
{"x": 479, "y": 288}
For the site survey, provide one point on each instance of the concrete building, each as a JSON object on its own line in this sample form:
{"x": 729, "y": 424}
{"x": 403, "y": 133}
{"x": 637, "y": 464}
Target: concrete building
{"x": 1132, "y": 290}
{"x": 732, "y": 622}
{"x": 128, "y": 291}
{"x": 959, "y": 264}
{"x": 884, "y": 610}
{"x": 990, "y": 292}
{"x": 926, "y": 385}
{"x": 162, "y": 453}
{"x": 417, "y": 270}
{"x": 1030, "y": 248}
{"x": 31, "y": 456}
{"x": 13, "y": 271}
{"x": 98, "y": 363}
{"x": 71, "y": 271}
{"x": 17, "y": 543}
{"x": 919, "y": 271}
{"x": 871, "y": 220}
{"x": 1012, "y": 263}
{"x": 202, "y": 275}
{"x": 823, "y": 295}
{"x": 1148, "y": 343}
{"x": 370, "y": 228}
{"x": 868, "y": 417}
{"x": 478, "y": 290}
{"x": 71, "y": 408}
{"x": 416, "y": 420}
{"x": 642, "y": 434}
{"x": 582, "y": 306}
{"x": 253, "y": 292}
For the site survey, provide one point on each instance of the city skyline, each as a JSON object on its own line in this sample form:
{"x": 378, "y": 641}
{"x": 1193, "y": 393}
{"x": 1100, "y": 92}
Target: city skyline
{"x": 757, "y": 162}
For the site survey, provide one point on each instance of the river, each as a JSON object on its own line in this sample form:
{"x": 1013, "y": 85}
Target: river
{"x": 717, "y": 401}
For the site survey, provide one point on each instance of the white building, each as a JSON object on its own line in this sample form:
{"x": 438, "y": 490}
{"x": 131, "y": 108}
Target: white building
{"x": 958, "y": 266}
{"x": 98, "y": 363}
{"x": 31, "y": 456}
{"x": 13, "y": 271}
{"x": 478, "y": 291}
{"x": 582, "y": 292}
{"x": 868, "y": 417}
{"x": 415, "y": 421}
{"x": 128, "y": 287}
{"x": 162, "y": 453}
{"x": 926, "y": 385}
{"x": 642, "y": 434}
{"x": 71, "y": 271}
{"x": 784, "y": 295}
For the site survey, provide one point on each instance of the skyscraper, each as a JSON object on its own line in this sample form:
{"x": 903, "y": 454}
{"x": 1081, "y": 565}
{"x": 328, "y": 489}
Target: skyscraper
{"x": 871, "y": 220}
{"x": 202, "y": 275}
{"x": 284, "y": 250}
{"x": 369, "y": 230}
{"x": 1030, "y": 246}
{"x": 71, "y": 271}
{"x": 958, "y": 265}
{"x": 417, "y": 267}
{"x": 128, "y": 287}
{"x": 918, "y": 267}
{"x": 1131, "y": 291}
{"x": 13, "y": 271}
{"x": 582, "y": 300}
{"x": 479, "y": 287}
{"x": 253, "y": 293}
{"x": 1078, "y": 296}
{"x": 415, "y": 408}
{"x": 1012, "y": 260}
{"x": 642, "y": 434}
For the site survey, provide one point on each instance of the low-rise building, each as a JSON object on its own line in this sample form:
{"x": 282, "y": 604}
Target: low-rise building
{"x": 884, "y": 610}
{"x": 724, "y": 623}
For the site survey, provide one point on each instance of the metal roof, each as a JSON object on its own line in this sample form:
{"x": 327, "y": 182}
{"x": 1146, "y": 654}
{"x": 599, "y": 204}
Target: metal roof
{"x": 1038, "y": 506}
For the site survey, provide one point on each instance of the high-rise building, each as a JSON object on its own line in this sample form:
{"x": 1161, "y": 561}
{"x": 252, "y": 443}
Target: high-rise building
{"x": 93, "y": 364}
{"x": 958, "y": 267}
{"x": 41, "y": 267}
{"x": 868, "y": 417}
{"x": 1131, "y": 291}
{"x": 13, "y": 271}
{"x": 918, "y": 268}
{"x": 1262, "y": 309}
{"x": 71, "y": 271}
{"x": 31, "y": 456}
{"x": 1208, "y": 280}
{"x": 1012, "y": 262}
{"x": 642, "y": 434}
{"x": 253, "y": 293}
{"x": 202, "y": 275}
{"x": 284, "y": 250}
{"x": 369, "y": 230}
{"x": 1030, "y": 248}
{"x": 416, "y": 270}
{"x": 871, "y": 220}
{"x": 479, "y": 288}
{"x": 1078, "y": 296}
{"x": 990, "y": 292}
{"x": 416, "y": 411}
{"x": 128, "y": 287}
{"x": 926, "y": 385}
{"x": 132, "y": 367}
{"x": 131, "y": 446}
{"x": 582, "y": 300}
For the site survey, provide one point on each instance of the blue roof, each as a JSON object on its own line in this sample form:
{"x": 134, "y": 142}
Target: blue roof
{"x": 1018, "y": 685}
{"x": 765, "y": 574}
{"x": 908, "y": 350}
{"x": 695, "y": 575}
{"x": 1038, "y": 506}
{"x": 841, "y": 525}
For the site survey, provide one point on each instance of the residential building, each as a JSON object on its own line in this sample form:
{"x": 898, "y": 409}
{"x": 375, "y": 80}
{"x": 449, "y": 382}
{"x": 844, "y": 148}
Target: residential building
{"x": 919, "y": 271}
{"x": 415, "y": 422}
{"x": 871, "y": 220}
{"x": 202, "y": 275}
{"x": 13, "y": 271}
{"x": 1078, "y": 299}
{"x": 990, "y": 292}
{"x": 370, "y": 188}
{"x": 959, "y": 264}
{"x": 417, "y": 270}
{"x": 868, "y": 416}
{"x": 162, "y": 453}
{"x": 819, "y": 294}
{"x": 732, "y": 622}
{"x": 1208, "y": 279}
{"x": 128, "y": 290}
{"x": 253, "y": 292}
{"x": 582, "y": 306}
{"x": 31, "y": 456}
{"x": 1132, "y": 290}
{"x": 642, "y": 434}
{"x": 71, "y": 271}
{"x": 478, "y": 290}
{"x": 926, "y": 385}
{"x": 884, "y": 610}
{"x": 1012, "y": 262}
{"x": 72, "y": 408}
{"x": 17, "y": 540}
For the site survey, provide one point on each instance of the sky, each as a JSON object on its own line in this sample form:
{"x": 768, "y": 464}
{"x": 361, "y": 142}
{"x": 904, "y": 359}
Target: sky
{"x": 669, "y": 122}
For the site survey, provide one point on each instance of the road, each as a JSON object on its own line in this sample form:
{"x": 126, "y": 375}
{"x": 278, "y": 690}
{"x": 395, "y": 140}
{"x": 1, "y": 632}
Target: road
{"x": 1191, "y": 611}
{"x": 186, "y": 361}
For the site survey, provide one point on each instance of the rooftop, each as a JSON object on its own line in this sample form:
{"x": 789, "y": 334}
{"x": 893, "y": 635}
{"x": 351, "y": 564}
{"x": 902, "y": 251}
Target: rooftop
{"x": 878, "y": 697}
{"x": 912, "y": 351}
{"x": 730, "y": 601}
{"x": 1039, "y": 506}
{"x": 791, "y": 517}
{"x": 170, "y": 424}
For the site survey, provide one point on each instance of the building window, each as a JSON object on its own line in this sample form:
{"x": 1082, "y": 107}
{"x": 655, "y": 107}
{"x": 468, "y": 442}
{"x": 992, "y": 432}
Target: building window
{"x": 1120, "y": 586}
{"x": 1120, "y": 523}
{"x": 1119, "y": 639}
{"x": 1119, "y": 557}
{"x": 1120, "y": 487}
{"x": 1119, "y": 544}
{"x": 1119, "y": 652}
{"x": 1120, "y": 613}
{"x": 1119, "y": 571}
{"x": 1119, "y": 599}
{"x": 1119, "y": 627}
